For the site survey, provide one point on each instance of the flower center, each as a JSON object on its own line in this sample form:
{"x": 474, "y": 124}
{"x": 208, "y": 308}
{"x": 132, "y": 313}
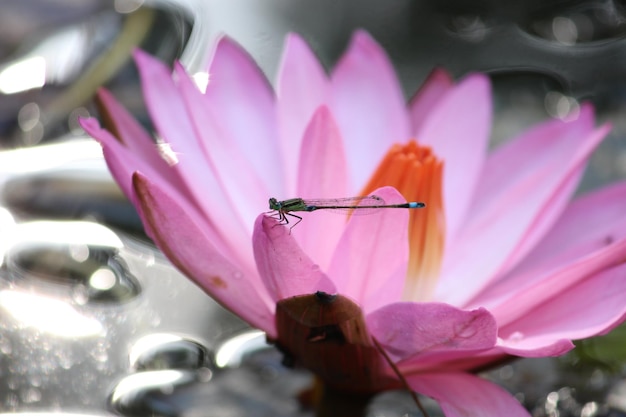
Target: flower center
{"x": 417, "y": 173}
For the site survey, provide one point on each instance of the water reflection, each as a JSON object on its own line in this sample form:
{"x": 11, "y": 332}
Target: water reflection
{"x": 48, "y": 315}
{"x": 150, "y": 393}
{"x": 22, "y": 75}
{"x": 76, "y": 259}
{"x": 160, "y": 351}
{"x": 232, "y": 352}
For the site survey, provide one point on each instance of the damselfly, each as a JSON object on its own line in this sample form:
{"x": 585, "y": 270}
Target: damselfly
{"x": 354, "y": 205}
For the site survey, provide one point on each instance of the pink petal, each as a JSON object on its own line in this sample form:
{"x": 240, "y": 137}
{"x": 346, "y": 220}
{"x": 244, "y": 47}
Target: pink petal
{"x": 169, "y": 114}
{"x": 532, "y": 149}
{"x": 129, "y": 131}
{"x": 245, "y": 192}
{"x": 458, "y": 130}
{"x": 588, "y": 224}
{"x": 536, "y": 151}
{"x": 166, "y": 107}
{"x": 464, "y": 395}
{"x": 322, "y": 174}
{"x": 121, "y": 161}
{"x": 243, "y": 101}
{"x": 301, "y": 88}
{"x": 370, "y": 251}
{"x": 436, "y": 85}
{"x": 544, "y": 286}
{"x": 590, "y": 236}
{"x": 533, "y": 346}
{"x": 368, "y": 105}
{"x": 286, "y": 270}
{"x": 407, "y": 329}
{"x": 508, "y": 221}
{"x": 389, "y": 290}
{"x": 180, "y": 232}
{"x": 592, "y": 307}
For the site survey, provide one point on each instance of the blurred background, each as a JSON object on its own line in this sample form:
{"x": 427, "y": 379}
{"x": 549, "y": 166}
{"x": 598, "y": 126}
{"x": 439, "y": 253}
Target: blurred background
{"x": 94, "y": 321}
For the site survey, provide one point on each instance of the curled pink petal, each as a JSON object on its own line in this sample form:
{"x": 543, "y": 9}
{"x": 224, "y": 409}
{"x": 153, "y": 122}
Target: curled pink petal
{"x": 370, "y": 250}
{"x": 128, "y": 131}
{"x": 463, "y": 395}
{"x": 286, "y": 270}
{"x": 134, "y": 149}
{"x": 173, "y": 123}
{"x": 182, "y": 235}
{"x": 406, "y": 329}
{"x": 123, "y": 163}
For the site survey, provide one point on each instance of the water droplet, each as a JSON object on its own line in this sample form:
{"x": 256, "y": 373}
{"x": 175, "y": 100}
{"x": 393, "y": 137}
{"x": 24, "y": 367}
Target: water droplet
{"x": 65, "y": 360}
{"x": 79, "y": 252}
{"x": 12, "y": 401}
{"x": 142, "y": 394}
{"x": 473, "y": 28}
{"x": 155, "y": 320}
{"x": 561, "y": 106}
{"x": 100, "y": 356}
{"x": 5, "y": 346}
{"x": 590, "y": 409}
{"x": 506, "y": 372}
{"x": 204, "y": 374}
{"x": 13, "y": 383}
{"x": 167, "y": 351}
{"x": 598, "y": 379}
{"x": 102, "y": 279}
{"x": 552, "y": 398}
{"x": 516, "y": 336}
{"x": 80, "y": 294}
{"x": 238, "y": 275}
{"x": 233, "y": 351}
{"x": 35, "y": 380}
{"x": 85, "y": 272}
{"x": 30, "y": 395}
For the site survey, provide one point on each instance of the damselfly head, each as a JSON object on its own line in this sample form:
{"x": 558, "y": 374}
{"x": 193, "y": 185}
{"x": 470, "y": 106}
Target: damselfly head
{"x": 274, "y": 205}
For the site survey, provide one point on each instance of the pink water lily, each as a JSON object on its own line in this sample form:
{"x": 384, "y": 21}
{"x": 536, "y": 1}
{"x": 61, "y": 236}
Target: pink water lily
{"x": 501, "y": 262}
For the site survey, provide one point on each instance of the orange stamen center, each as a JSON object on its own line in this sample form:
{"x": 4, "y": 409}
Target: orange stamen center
{"x": 417, "y": 173}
